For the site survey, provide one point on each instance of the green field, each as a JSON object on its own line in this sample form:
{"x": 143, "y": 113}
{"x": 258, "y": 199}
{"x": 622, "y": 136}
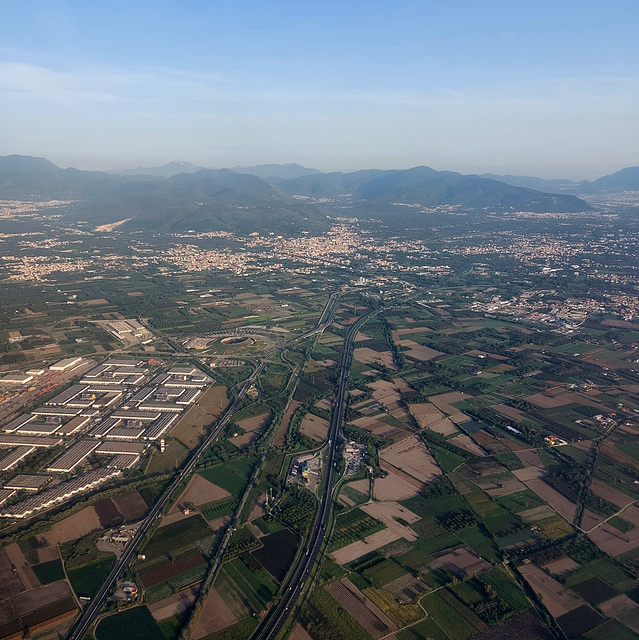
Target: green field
{"x": 425, "y": 629}
{"x": 507, "y": 589}
{"x": 49, "y": 571}
{"x": 132, "y": 624}
{"x": 447, "y": 618}
{"x": 325, "y": 619}
{"x": 87, "y": 580}
{"x": 384, "y": 572}
{"x": 232, "y": 475}
{"x": 177, "y": 535}
{"x": 219, "y": 509}
{"x": 239, "y": 631}
{"x": 352, "y": 526}
{"x": 257, "y": 586}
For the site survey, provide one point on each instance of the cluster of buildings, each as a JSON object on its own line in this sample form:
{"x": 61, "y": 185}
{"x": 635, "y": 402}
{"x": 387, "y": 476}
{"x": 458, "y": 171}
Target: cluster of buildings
{"x": 128, "y": 329}
{"x": 104, "y": 422}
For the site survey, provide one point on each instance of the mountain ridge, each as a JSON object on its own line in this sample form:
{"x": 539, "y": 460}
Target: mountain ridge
{"x": 209, "y": 199}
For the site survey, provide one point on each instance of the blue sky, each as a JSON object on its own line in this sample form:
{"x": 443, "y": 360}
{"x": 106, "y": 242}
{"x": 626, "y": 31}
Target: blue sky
{"x": 543, "y": 88}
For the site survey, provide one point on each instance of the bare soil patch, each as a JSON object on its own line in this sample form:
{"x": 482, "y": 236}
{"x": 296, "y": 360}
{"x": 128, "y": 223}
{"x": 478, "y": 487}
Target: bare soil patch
{"x": 130, "y": 505}
{"x": 609, "y": 493}
{"x": 388, "y": 513}
{"x": 464, "y": 442}
{"x": 589, "y": 520}
{"x": 411, "y": 456}
{"x": 379, "y": 428}
{"x": 509, "y": 412}
{"x": 216, "y": 614}
{"x": 556, "y": 500}
{"x": 624, "y": 609}
{"x": 443, "y": 403}
{"x": 191, "y": 427}
{"x": 46, "y": 554}
{"x": 463, "y": 562}
{"x": 396, "y": 480}
{"x": 561, "y": 567}
{"x": 389, "y": 394}
{"x": 29, "y": 601}
{"x": 368, "y": 356}
{"x": 327, "y": 403}
{"x": 10, "y": 582}
{"x": 259, "y": 509}
{"x": 530, "y": 457}
{"x": 177, "y": 603}
{"x": 75, "y": 526}
{"x": 546, "y": 400}
{"x": 613, "y": 541}
{"x": 528, "y": 473}
{"x": 315, "y": 427}
{"x": 419, "y": 351}
{"x": 22, "y": 567}
{"x": 299, "y": 633}
{"x": 362, "y": 547}
{"x": 253, "y": 428}
{"x": 556, "y": 598}
{"x": 426, "y": 414}
{"x": 368, "y": 614}
{"x": 282, "y": 430}
{"x": 507, "y": 488}
{"x": 199, "y": 491}
{"x": 360, "y": 485}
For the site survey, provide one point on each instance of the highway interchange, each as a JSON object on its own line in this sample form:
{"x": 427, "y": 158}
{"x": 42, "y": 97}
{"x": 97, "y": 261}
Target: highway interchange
{"x": 278, "y": 617}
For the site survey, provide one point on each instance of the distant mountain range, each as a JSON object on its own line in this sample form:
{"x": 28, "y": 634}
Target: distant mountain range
{"x": 624, "y": 180}
{"x": 265, "y": 171}
{"x": 180, "y": 196}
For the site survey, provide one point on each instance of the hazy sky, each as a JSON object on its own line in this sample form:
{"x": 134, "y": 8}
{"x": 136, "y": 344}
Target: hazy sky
{"x": 538, "y": 88}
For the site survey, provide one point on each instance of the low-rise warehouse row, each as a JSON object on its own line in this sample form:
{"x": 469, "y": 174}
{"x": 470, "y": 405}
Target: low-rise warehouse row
{"x": 59, "y": 493}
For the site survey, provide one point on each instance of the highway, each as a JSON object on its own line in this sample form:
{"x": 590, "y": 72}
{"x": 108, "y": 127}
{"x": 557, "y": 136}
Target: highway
{"x": 88, "y": 616}
{"x": 278, "y": 617}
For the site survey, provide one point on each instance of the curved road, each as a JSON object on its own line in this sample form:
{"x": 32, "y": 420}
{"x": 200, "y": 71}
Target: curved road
{"x": 276, "y": 620}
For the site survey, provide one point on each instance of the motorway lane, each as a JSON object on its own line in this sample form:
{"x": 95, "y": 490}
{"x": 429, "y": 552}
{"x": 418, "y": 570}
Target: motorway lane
{"x": 278, "y": 618}
{"x": 92, "y": 611}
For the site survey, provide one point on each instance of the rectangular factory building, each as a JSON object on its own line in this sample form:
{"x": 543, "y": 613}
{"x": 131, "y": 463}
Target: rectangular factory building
{"x": 38, "y": 429}
{"x": 73, "y": 456}
{"x": 124, "y": 433}
{"x": 157, "y": 429}
{"x": 103, "y": 427}
{"x": 56, "y": 412}
{"x": 115, "y": 447}
{"x": 14, "y": 440}
{"x": 123, "y": 461}
{"x": 161, "y": 406}
{"x": 68, "y": 394}
{"x": 14, "y": 456}
{"x": 67, "y": 363}
{"x": 24, "y": 482}
{"x": 18, "y": 422}
{"x": 16, "y": 378}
